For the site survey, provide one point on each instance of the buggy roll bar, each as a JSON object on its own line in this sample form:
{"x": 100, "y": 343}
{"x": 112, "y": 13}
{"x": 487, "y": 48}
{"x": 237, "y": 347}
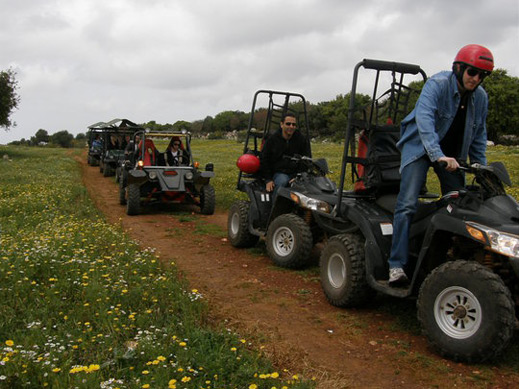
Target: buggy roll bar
{"x": 379, "y": 66}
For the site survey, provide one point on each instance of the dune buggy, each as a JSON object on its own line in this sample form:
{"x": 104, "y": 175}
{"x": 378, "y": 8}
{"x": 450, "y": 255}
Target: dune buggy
{"x": 288, "y": 221}
{"x": 151, "y": 176}
{"x": 95, "y": 143}
{"x": 115, "y": 136}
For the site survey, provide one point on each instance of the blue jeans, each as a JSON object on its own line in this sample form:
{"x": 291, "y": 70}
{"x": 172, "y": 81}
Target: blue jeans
{"x": 413, "y": 179}
{"x": 280, "y": 179}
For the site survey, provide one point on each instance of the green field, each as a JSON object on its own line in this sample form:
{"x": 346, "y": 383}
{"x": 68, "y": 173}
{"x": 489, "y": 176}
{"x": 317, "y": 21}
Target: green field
{"x": 83, "y": 306}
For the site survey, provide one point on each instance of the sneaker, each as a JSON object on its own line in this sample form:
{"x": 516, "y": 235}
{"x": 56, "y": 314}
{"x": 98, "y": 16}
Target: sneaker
{"x": 397, "y": 276}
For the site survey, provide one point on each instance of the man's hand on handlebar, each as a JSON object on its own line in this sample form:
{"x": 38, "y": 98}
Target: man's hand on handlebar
{"x": 270, "y": 186}
{"x": 450, "y": 164}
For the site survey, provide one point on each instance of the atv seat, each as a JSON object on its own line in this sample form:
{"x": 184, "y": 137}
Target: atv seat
{"x": 378, "y": 160}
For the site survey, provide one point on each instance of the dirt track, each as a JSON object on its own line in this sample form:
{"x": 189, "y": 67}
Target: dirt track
{"x": 286, "y": 311}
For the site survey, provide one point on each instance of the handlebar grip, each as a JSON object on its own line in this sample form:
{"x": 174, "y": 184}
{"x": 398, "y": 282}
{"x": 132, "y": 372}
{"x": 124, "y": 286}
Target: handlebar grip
{"x": 392, "y": 66}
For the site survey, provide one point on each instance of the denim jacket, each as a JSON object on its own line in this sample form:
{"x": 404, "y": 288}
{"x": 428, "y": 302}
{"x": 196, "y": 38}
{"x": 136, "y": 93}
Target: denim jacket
{"x": 423, "y": 129}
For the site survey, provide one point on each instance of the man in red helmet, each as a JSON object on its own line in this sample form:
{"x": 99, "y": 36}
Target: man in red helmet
{"x": 447, "y": 124}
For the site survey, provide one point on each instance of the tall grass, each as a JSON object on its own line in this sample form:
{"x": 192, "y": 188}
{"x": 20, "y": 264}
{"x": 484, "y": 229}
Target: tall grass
{"x": 83, "y": 306}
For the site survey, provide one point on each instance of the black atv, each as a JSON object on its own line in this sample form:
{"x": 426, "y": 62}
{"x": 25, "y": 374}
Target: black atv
{"x": 288, "y": 222}
{"x": 464, "y": 246}
{"x": 151, "y": 176}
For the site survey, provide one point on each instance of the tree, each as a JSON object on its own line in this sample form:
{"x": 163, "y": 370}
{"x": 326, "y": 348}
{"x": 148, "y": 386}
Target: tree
{"x": 41, "y": 136}
{"x": 503, "y": 104}
{"x": 182, "y": 125}
{"x": 9, "y": 99}
{"x": 62, "y": 138}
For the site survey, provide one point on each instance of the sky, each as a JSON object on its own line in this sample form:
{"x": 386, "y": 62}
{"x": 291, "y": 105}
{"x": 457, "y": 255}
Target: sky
{"x": 79, "y": 62}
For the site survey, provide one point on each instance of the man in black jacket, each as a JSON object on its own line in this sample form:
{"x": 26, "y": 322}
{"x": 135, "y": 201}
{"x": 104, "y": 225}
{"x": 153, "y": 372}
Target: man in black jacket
{"x": 287, "y": 141}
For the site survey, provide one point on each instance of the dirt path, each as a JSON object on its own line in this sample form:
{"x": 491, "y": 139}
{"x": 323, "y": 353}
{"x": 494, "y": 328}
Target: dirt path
{"x": 286, "y": 310}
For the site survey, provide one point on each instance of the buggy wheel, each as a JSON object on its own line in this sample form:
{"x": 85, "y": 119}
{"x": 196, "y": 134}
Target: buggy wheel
{"x": 466, "y": 311}
{"x": 238, "y": 225}
{"x": 289, "y": 241}
{"x": 343, "y": 272}
{"x": 207, "y": 200}
{"x": 122, "y": 190}
{"x": 133, "y": 204}
{"x": 117, "y": 174}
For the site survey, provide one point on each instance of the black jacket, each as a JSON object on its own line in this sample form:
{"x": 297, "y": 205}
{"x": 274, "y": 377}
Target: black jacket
{"x": 276, "y": 147}
{"x": 170, "y": 160}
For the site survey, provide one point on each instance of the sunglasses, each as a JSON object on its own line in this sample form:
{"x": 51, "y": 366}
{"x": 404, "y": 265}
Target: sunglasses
{"x": 473, "y": 72}
{"x": 176, "y": 144}
{"x": 291, "y": 124}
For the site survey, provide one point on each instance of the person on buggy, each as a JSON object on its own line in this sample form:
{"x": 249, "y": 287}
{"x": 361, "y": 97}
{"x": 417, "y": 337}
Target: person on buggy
{"x": 175, "y": 153}
{"x": 447, "y": 123}
{"x": 277, "y": 170}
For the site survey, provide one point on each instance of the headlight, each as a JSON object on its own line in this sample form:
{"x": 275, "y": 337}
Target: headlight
{"x": 310, "y": 203}
{"x": 189, "y": 175}
{"x": 153, "y": 175}
{"x": 500, "y": 242}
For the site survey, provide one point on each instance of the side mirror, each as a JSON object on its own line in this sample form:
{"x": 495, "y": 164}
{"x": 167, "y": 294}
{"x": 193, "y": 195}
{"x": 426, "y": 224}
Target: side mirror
{"x": 209, "y": 167}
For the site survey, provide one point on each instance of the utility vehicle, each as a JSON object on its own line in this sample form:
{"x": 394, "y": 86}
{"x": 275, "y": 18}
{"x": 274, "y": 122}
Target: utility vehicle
{"x": 286, "y": 221}
{"x": 464, "y": 246}
{"x": 151, "y": 176}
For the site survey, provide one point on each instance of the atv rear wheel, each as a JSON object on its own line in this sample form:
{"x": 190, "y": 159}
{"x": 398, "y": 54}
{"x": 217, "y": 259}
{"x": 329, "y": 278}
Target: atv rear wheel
{"x": 207, "y": 200}
{"x": 133, "y": 204}
{"x": 238, "y": 225}
{"x": 289, "y": 241}
{"x": 343, "y": 272}
{"x": 466, "y": 311}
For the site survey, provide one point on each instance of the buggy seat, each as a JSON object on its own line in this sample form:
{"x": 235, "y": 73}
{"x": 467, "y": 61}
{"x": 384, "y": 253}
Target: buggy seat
{"x": 150, "y": 153}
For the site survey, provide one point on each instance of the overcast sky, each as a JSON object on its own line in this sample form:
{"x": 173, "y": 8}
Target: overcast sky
{"x": 83, "y": 61}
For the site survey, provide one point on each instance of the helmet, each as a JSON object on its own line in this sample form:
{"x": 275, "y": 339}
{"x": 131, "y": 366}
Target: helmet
{"x": 248, "y": 163}
{"x": 476, "y": 56}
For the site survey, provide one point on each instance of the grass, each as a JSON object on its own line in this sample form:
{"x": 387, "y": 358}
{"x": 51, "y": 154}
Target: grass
{"x": 82, "y": 305}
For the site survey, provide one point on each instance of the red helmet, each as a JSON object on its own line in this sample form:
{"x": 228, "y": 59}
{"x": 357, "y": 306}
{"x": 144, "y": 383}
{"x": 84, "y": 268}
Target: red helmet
{"x": 476, "y": 56}
{"x": 248, "y": 163}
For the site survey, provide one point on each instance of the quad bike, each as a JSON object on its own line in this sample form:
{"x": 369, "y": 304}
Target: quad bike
{"x": 287, "y": 222}
{"x": 464, "y": 246}
{"x": 148, "y": 177}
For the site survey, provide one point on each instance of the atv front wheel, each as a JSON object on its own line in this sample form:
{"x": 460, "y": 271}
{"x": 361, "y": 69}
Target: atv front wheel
{"x": 289, "y": 241}
{"x": 133, "y": 203}
{"x": 466, "y": 311}
{"x": 343, "y": 272}
{"x": 238, "y": 225}
{"x": 207, "y": 200}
